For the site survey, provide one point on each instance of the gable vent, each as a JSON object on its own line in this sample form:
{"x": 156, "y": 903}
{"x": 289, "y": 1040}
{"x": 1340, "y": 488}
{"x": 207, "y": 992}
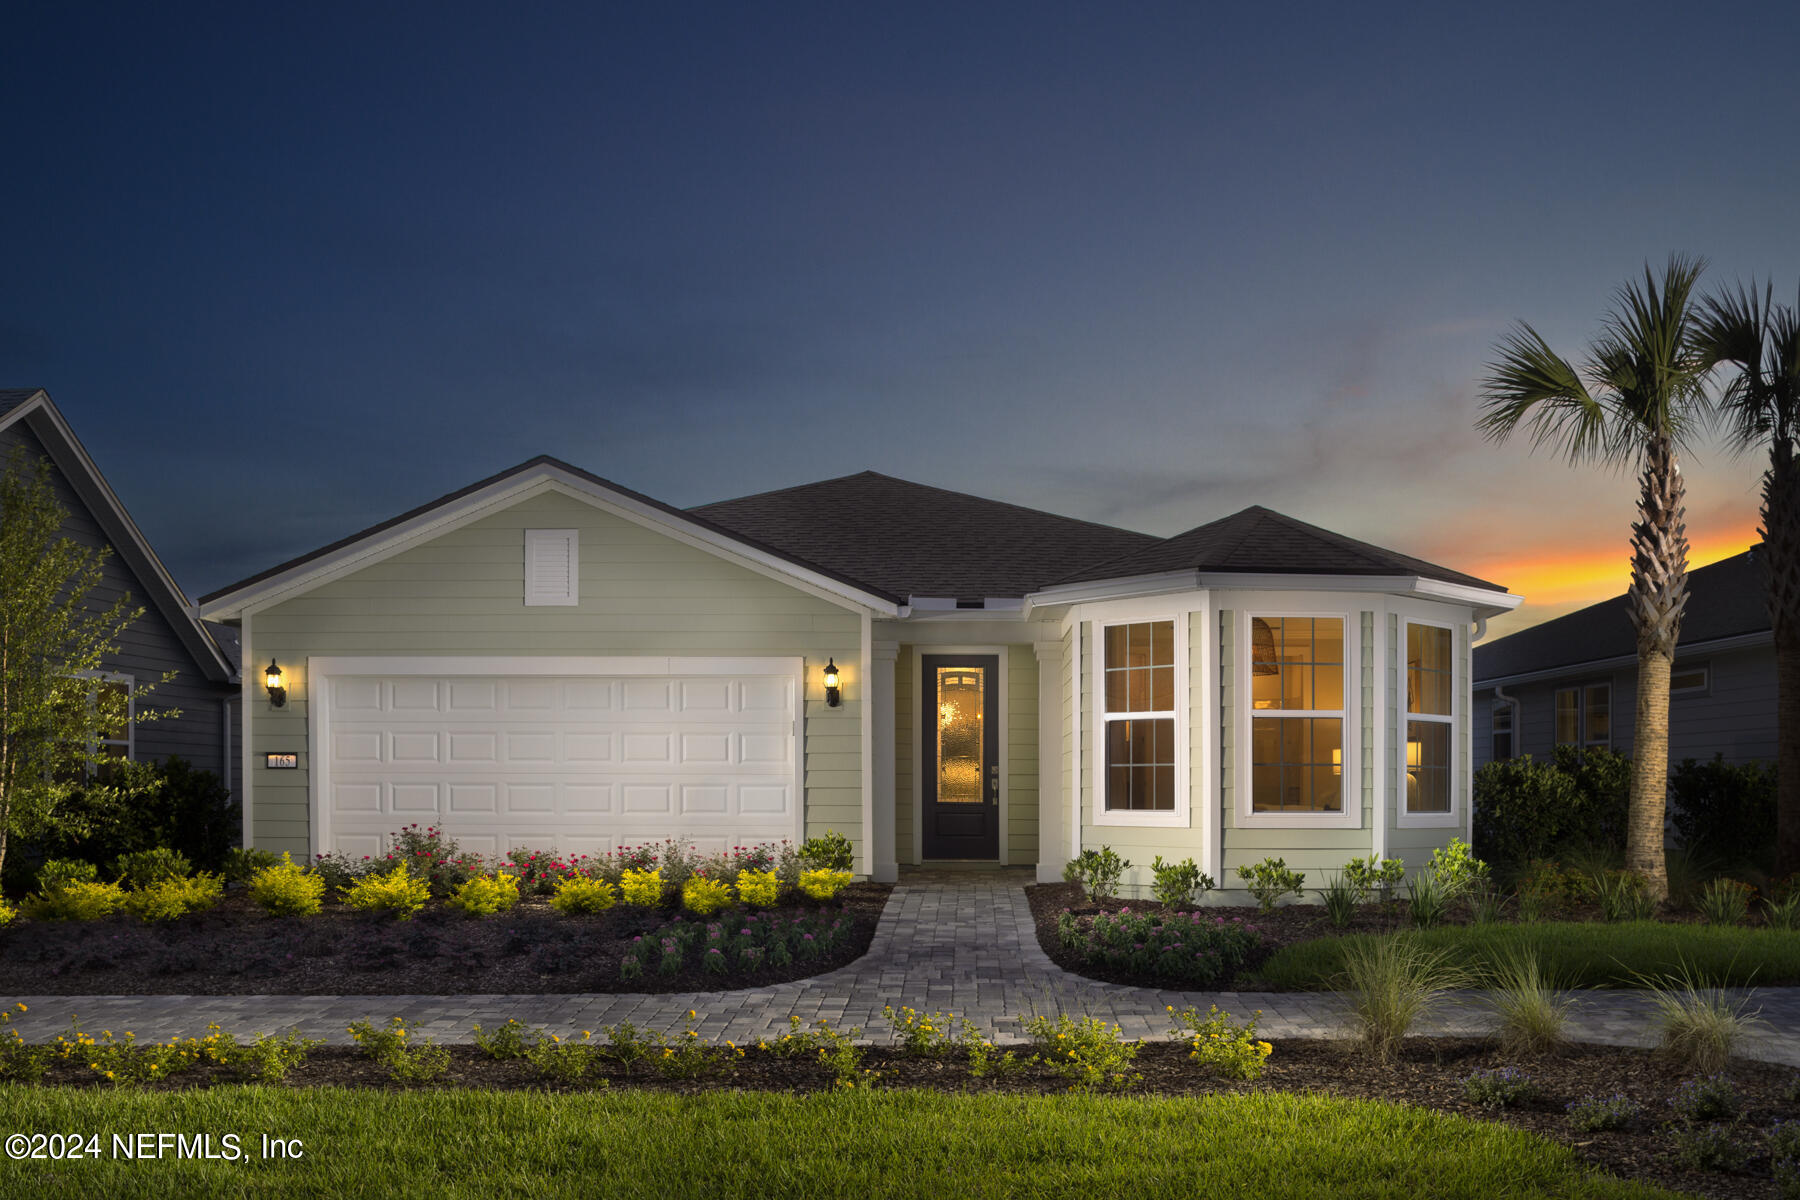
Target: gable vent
{"x": 552, "y": 566}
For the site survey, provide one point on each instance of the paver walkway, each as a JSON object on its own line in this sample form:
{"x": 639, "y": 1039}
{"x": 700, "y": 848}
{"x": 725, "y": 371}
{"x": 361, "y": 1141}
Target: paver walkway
{"x": 961, "y": 943}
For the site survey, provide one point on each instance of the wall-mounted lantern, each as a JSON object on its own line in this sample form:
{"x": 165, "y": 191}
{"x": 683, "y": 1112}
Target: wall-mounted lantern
{"x": 833, "y": 697}
{"x": 272, "y": 681}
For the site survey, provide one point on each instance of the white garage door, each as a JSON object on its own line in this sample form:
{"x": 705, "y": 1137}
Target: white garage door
{"x": 577, "y": 762}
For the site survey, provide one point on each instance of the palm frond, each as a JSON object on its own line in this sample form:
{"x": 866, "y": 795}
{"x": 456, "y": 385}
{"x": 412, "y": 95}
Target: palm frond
{"x": 1732, "y": 330}
{"x": 1648, "y": 356}
{"x": 1530, "y": 383}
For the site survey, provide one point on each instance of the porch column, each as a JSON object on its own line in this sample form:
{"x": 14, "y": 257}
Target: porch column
{"x": 1053, "y": 805}
{"x": 886, "y": 868}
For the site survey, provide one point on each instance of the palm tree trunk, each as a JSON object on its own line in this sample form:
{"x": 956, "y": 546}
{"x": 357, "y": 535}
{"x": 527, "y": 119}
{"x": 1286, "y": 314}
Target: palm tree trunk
{"x": 1781, "y": 559}
{"x": 1657, "y": 596}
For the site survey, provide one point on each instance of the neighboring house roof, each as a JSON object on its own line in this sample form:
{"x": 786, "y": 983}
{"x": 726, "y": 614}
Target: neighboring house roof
{"x": 1725, "y": 600}
{"x": 33, "y": 407}
{"x": 911, "y": 539}
{"x": 1260, "y": 541}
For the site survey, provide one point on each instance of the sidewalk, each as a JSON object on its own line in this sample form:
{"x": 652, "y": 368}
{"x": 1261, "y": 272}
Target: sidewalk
{"x": 960, "y": 944}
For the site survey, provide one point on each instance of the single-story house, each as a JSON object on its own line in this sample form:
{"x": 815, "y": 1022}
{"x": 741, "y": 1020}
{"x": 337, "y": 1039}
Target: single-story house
{"x": 168, "y": 637}
{"x": 547, "y": 658}
{"x": 1573, "y": 680}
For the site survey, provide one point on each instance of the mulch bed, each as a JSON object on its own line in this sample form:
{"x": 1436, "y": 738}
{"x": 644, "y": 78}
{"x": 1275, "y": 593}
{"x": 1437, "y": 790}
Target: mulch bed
{"x": 1428, "y": 1073}
{"x": 235, "y": 949}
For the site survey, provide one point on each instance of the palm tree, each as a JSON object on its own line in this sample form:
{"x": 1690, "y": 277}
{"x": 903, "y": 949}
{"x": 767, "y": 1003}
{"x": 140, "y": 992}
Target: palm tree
{"x": 1760, "y": 342}
{"x": 1637, "y": 397}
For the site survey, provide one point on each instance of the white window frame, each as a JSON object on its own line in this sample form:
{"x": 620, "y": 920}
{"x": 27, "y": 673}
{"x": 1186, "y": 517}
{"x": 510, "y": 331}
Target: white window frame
{"x": 1457, "y": 719}
{"x": 129, "y": 741}
{"x": 1179, "y": 816}
{"x": 1700, "y": 689}
{"x": 1351, "y": 816}
{"x": 536, "y": 540}
{"x": 1512, "y": 731}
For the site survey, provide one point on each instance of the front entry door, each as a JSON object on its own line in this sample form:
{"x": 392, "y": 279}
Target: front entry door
{"x": 961, "y": 751}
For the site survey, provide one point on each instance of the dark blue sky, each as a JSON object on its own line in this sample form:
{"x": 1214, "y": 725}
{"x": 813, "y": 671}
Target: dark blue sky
{"x": 289, "y": 271}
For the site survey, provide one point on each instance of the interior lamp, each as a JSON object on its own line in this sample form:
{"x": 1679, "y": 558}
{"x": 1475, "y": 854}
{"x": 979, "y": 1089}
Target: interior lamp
{"x": 272, "y": 681}
{"x": 1415, "y": 755}
{"x": 833, "y": 696}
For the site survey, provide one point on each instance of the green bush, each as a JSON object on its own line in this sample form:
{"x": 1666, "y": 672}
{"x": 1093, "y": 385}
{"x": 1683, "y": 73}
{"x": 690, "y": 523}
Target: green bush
{"x": 1270, "y": 880}
{"x": 1723, "y": 811}
{"x": 284, "y": 889}
{"x": 1087, "y": 1052}
{"x": 579, "y": 894}
{"x": 1526, "y": 809}
{"x": 145, "y": 867}
{"x": 241, "y": 864}
{"x": 399, "y": 892}
{"x": 832, "y": 852}
{"x": 170, "y": 898}
{"x": 1231, "y": 1051}
{"x": 1377, "y": 874}
{"x": 59, "y": 873}
{"x": 144, "y": 806}
{"x": 1178, "y": 883}
{"x": 1724, "y": 902}
{"x": 1098, "y": 872}
{"x": 75, "y": 902}
{"x": 1456, "y": 869}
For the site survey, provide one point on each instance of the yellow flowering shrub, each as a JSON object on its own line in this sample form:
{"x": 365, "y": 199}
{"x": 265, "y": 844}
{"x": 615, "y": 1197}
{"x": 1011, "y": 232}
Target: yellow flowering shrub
{"x": 759, "y": 889}
{"x": 579, "y": 894}
{"x": 823, "y": 884}
{"x": 704, "y": 897}
{"x": 485, "y": 895}
{"x": 7, "y": 913}
{"x": 1232, "y": 1051}
{"x": 76, "y": 902}
{"x": 398, "y": 892}
{"x": 643, "y": 889}
{"x": 287, "y": 890}
{"x": 167, "y": 899}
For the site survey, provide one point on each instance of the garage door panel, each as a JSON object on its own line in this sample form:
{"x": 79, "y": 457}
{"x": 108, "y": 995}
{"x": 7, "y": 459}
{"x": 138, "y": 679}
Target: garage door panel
{"x": 575, "y": 765}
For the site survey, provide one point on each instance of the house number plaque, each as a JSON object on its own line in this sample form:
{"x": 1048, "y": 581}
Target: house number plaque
{"x": 281, "y": 762}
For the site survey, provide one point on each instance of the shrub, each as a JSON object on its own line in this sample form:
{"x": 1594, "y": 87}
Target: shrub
{"x": 758, "y": 889}
{"x": 1340, "y": 898}
{"x": 142, "y": 806}
{"x": 508, "y": 1041}
{"x": 1709, "y": 1147}
{"x": 1231, "y": 1051}
{"x": 1179, "y": 883}
{"x": 1392, "y": 982}
{"x": 1724, "y": 902}
{"x": 1591, "y": 1114}
{"x": 171, "y": 898}
{"x": 1546, "y": 888}
{"x": 1098, "y": 873}
{"x": 126, "y": 1060}
{"x": 539, "y": 871}
{"x": 1486, "y": 904}
{"x": 1532, "y": 1013}
{"x": 1427, "y": 899}
{"x": 407, "y": 1062}
{"x": 340, "y": 871}
{"x": 704, "y": 897}
{"x": 145, "y": 867}
{"x": 485, "y": 895}
{"x": 428, "y": 854}
{"x": 1087, "y": 1052}
{"x": 823, "y": 884}
{"x": 75, "y": 902}
{"x": 1783, "y": 913}
{"x": 1186, "y": 949}
{"x": 927, "y": 1033}
{"x": 1705, "y": 1098}
{"x": 399, "y": 892}
{"x": 283, "y": 889}
{"x": 20, "y": 1060}
{"x": 1456, "y": 869}
{"x": 1377, "y": 874}
{"x": 1724, "y": 811}
{"x": 579, "y": 894}
{"x": 265, "y": 1059}
{"x": 641, "y": 889}
{"x": 1525, "y": 809}
{"x": 7, "y": 913}
{"x": 1623, "y": 896}
{"x": 242, "y": 864}
{"x": 835, "y": 1049}
{"x": 1270, "y": 880}
{"x": 1506, "y": 1087}
{"x": 558, "y": 1060}
{"x": 832, "y": 852}
{"x": 1700, "y": 1023}
{"x": 59, "y": 873}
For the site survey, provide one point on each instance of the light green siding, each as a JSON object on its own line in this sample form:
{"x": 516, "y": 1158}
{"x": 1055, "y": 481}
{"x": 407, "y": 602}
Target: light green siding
{"x": 1021, "y": 755}
{"x": 641, "y": 592}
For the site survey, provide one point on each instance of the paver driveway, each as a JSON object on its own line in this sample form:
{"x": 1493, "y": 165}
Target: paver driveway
{"x": 960, "y": 943}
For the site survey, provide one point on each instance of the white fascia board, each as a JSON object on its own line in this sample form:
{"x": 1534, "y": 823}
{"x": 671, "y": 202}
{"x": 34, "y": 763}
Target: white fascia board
{"x": 1738, "y": 641}
{"x": 120, "y": 529}
{"x": 1485, "y": 600}
{"x": 1159, "y": 584}
{"x": 503, "y": 494}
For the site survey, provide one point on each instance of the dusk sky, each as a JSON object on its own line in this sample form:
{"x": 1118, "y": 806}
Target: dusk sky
{"x": 289, "y": 270}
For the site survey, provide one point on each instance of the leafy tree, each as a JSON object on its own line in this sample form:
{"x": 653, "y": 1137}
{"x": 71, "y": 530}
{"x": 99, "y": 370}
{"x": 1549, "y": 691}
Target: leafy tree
{"x": 1759, "y": 341}
{"x": 1637, "y": 397}
{"x": 54, "y": 632}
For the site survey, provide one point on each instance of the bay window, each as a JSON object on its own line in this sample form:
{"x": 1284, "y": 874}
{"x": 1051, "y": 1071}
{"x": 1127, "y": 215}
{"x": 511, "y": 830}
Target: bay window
{"x": 1138, "y": 710}
{"x": 1430, "y": 678}
{"x": 1298, "y": 717}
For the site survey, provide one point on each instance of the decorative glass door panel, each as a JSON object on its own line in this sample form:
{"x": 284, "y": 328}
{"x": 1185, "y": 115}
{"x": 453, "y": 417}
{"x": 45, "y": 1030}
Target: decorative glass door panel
{"x": 960, "y": 755}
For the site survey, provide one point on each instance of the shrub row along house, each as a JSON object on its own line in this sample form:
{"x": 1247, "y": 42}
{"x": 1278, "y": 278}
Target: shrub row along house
{"x": 545, "y": 658}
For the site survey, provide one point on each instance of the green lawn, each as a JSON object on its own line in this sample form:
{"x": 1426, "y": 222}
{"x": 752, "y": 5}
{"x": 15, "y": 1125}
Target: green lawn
{"x": 1581, "y": 954}
{"x": 732, "y": 1145}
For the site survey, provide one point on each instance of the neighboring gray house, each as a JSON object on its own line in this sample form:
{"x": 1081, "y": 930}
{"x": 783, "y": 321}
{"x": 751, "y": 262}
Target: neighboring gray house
{"x": 169, "y": 636}
{"x": 1574, "y": 680}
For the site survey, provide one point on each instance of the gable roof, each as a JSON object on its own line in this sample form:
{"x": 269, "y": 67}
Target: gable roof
{"x": 33, "y": 408}
{"x": 227, "y": 601}
{"x": 1260, "y": 541}
{"x": 911, "y": 539}
{"x": 1725, "y": 600}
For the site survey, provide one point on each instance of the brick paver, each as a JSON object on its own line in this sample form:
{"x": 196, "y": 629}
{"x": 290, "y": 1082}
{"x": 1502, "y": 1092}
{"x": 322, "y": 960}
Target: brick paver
{"x": 961, "y": 943}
